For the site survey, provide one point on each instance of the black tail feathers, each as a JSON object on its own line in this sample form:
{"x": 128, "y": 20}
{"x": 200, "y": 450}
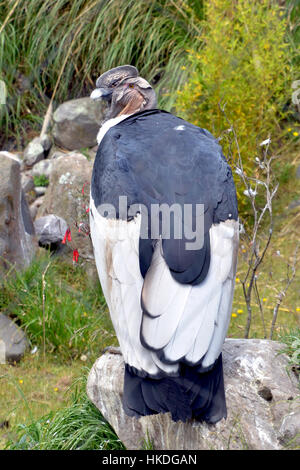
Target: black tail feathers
{"x": 192, "y": 395}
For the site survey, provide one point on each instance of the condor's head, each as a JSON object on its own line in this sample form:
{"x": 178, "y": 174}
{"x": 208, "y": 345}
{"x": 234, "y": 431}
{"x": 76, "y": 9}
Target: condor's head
{"x": 124, "y": 91}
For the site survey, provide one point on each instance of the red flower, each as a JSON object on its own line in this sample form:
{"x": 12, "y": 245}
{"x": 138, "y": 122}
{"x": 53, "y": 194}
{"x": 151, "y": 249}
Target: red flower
{"x": 67, "y": 236}
{"x": 75, "y": 255}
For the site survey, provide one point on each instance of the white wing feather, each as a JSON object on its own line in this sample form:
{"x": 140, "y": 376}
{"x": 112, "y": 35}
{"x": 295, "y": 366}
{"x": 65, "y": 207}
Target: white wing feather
{"x": 193, "y": 320}
{"x": 184, "y": 321}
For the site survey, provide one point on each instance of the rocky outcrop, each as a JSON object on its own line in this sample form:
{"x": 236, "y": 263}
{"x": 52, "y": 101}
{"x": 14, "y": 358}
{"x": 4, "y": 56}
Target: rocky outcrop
{"x": 17, "y": 238}
{"x": 77, "y": 122}
{"x": 262, "y": 400}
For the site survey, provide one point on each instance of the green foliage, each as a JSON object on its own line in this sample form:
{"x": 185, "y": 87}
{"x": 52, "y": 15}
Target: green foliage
{"x": 284, "y": 172}
{"x": 40, "y": 180}
{"x": 292, "y": 341}
{"x": 65, "y": 314}
{"x": 77, "y": 427}
{"x": 241, "y": 62}
{"x": 292, "y": 14}
{"x": 66, "y": 44}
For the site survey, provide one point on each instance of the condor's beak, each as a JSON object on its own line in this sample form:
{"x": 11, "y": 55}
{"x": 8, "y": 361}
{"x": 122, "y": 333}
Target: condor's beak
{"x": 101, "y": 93}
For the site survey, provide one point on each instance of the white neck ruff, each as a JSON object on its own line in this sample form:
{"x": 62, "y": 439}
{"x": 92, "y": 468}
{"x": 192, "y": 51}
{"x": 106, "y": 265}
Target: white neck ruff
{"x": 108, "y": 124}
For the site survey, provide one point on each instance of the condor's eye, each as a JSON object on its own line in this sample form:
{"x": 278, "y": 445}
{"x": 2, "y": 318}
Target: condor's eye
{"x": 131, "y": 85}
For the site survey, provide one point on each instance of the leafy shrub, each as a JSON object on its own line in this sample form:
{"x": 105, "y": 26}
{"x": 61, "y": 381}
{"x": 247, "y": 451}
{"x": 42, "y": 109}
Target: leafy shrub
{"x": 293, "y": 16}
{"x": 40, "y": 180}
{"x": 242, "y": 61}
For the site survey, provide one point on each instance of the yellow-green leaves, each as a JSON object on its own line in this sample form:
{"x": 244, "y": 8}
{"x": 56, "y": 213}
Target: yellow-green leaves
{"x": 242, "y": 62}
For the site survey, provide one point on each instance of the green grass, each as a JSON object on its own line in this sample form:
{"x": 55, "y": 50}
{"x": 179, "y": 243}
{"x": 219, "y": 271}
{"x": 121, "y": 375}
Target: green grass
{"x": 65, "y": 315}
{"x": 56, "y": 50}
{"x": 67, "y": 324}
{"x": 33, "y": 388}
{"x": 68, "y": 329}
{"x": 61, "y": 48}
{"x": 78, "y": 426}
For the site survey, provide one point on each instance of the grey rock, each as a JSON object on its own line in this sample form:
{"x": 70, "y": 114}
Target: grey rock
{"x": 13, "y": 342}
{"x": 27, "y": 183}
{"x": 33, "y": 153}
{"x": 44, "y": 167}
{"x": 56, "y": 154}
{"x": 289, "y": 429}
{"x": 46, "y": 142}
{"x": 36, "y": 150}
{"x": 34, "y": 207}
{"x": 253, "y": 421}
{"x": 77, "y": 122}
{"x": 50, "y": 229}
{"x": 40, "y": 190}
{"x": 17, "y": 237}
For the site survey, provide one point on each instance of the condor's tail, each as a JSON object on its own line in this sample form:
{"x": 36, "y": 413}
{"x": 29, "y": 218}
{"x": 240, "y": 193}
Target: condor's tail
{"x": 191, "y": 395}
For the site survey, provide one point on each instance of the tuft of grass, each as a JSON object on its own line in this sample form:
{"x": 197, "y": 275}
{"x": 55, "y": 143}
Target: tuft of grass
{"x": 79, "y": 426}
{"x": 33, "y": 388}
{"x": 59, "y": 308}
{"x": 147, "y": 443}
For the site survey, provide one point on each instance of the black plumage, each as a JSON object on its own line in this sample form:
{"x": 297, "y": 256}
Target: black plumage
{"x": 190, "y": 395}
{"x": 146, "y": 159}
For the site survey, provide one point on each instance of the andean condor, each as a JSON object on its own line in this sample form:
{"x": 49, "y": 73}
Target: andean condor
{"x": 170, "y": 305}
